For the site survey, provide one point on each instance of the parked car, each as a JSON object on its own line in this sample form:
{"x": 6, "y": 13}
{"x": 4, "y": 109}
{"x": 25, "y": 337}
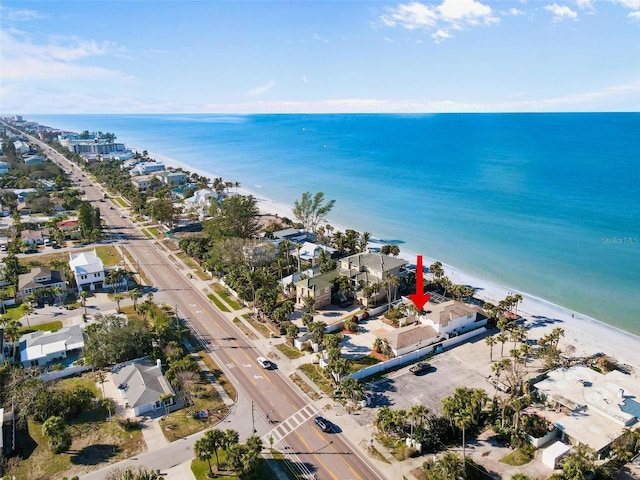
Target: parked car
{"x": 323, "y": 424}
{"x": 420, "y": 367}
{"x": 264, "y": 363}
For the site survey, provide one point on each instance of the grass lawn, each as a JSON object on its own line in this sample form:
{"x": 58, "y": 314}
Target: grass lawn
{"x": 96, "y": 443}
{"x": 357, "y": 364}
{"x": 240, "y": 324}
{"x": 180, "y": 424}
{"x": 200, "y": 469}
{"x": 289, "y": 351}
{"x": 219, "y": 374}
{"x": 109, "y": 255}
{"x": 120, "y": 201}
{"x": 302, "y": 385}
{"x": 259, "y": 326}
{"x": 188, "y": 261}
{"x": 313, "y": 372}
{"x": 520, "y": 456}
{"x": 154, "y": 231}
{"x": 53, "y": 326}
{"x": 221, "y": 306}
{"x": 146, "y": 232}
{"x": 222, "y": 291}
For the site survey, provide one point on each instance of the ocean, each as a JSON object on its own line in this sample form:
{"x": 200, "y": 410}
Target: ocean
{"x": 547, "y": 204}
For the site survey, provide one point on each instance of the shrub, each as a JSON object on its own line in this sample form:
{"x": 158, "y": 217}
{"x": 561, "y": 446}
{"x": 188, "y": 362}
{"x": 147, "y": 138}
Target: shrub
{"x": 129, "y": 425}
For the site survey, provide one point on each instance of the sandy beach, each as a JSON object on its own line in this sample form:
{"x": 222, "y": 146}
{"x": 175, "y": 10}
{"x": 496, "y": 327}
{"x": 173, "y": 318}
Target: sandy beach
{"x": 585, "y": 334}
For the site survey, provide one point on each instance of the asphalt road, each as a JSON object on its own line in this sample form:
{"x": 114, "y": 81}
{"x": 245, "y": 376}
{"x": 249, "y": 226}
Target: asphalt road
{"x": 328, "y": 455}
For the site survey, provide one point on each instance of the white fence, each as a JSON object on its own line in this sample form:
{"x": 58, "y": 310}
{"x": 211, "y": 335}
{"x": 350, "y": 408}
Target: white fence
{"x": 67, "y": 372}
{"x": 416, "y": 354}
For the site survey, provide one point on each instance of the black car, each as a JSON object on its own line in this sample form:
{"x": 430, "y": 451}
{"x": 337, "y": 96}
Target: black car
{"x": 323, "y": 423}
{"x": 420, "y": 367}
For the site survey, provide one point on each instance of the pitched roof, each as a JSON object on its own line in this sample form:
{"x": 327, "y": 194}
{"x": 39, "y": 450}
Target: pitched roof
{"x": 27, "y": 280}
{"x": 85, "y": 262}
{"x": 444, "y": 312}
{"x": 36, "y": 345}
{"x": 407, "y": 336}
{"x": 372, "y": 261}
{"x": 141, "y": 381}
{"x": 319, "y": 282}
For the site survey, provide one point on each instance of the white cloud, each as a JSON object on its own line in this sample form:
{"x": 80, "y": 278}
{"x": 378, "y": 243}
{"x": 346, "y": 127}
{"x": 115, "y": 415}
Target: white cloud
{"x": 560, "y": 12}
{"x": 261, "y": 90}
{"x": 586, "y": 5}
{"x": 318, "y": 38}
{"x": 635, "y": 16}
{"x": 304, "y": 79}
{"x": 514, "y": 12}
{"x": 22, "y": 59}
{"x": 632, "y": 4}
{"x": 18, "y": 15}
{"x": 449, "y": 16}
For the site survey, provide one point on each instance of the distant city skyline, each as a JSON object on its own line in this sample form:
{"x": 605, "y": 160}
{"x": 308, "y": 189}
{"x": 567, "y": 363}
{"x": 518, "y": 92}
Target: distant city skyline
{"x": 319, "y": 56}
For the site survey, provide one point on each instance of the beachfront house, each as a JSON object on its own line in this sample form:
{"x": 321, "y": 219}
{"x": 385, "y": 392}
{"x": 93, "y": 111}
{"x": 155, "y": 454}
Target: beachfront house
{"x": 143, "y": 386}
{"x": 309, "y": 251}
{"x": 200, "y": 202}
{"x": 598, "y": 407}
{"x": 146, "y": 168}
{"x": 172, "y": 178}
{"x": 41, "y": 278}
{"x": 450, "y": 317}
{"x": 319, "y": 288}
{"x": 142, "y": 183}
{"x": 38, "y": 349}
{"x": 367, "y": 269}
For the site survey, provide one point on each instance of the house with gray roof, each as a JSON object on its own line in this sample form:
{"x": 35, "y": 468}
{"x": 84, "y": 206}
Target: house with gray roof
{"x": 40, "y": 348}
{"x": 39, "y": 278}
{"x": 143, "y": 386}
{"x": 318, "y": 287}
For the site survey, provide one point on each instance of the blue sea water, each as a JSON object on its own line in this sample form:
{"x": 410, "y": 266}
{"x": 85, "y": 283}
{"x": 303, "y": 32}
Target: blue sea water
{"x": 548, "y": 204}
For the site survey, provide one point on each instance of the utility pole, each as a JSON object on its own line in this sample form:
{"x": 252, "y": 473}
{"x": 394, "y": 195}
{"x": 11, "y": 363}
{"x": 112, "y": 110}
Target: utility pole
{"x": 253, "y": 422}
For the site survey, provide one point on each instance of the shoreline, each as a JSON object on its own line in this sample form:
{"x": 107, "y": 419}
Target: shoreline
{"x": 586, "y": 334}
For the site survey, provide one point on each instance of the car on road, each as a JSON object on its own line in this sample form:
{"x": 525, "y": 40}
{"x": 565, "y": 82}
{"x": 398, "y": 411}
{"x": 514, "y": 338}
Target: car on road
{"x": 419, "y": 368}
{"x": 323, "y": 424}
{"x": 264, "y": 363}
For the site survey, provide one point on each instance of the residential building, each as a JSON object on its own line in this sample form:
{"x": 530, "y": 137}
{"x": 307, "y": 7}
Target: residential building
{"x": 145, "y": 168}
{"x": 21, "y": 147}
{"x": 34, "y": 237}
{"x": 599, "y": 407}
{"x": 143, "y": 386}
{"x": 39, "y": 278}
{"x": 407, "y": 339}
{"x": 142, "y": 182}
{"x": 70, "y": 228}
{"x": 293, "y": 235}
{"x": 368, "y": 269}
{"x": 88, "y": 270}
{"x": 32, "y": 159}
{"x": 310, "y": 251}
{"x": 450, "y": 316}
{"x": 319, "y": 288}
{"x": 172, "y": 178}
{"x": 40, "y": 348}
{"x": 200, "y": 202}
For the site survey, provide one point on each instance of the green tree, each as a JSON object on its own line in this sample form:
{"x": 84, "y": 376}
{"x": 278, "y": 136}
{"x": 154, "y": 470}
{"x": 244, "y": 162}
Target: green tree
{"x": 236, "y": 216}
{"x": 203, "y": 449}
{"x": 311, "y": 210}
{"x": 57, "y": 433}
{"x": 491, "y": 341}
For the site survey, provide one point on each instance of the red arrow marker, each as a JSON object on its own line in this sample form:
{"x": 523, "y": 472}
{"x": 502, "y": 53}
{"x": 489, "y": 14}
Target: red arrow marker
{"x": 419, "y": 298}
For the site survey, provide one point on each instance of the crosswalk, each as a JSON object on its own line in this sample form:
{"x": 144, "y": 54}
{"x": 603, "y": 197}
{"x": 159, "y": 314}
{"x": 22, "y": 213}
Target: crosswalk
{"x": 290, "y": 425}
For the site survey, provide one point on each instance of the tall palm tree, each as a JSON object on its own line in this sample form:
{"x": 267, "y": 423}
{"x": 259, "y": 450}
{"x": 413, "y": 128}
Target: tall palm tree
{"x": 83, "y": 299}
{"x": 416, "y": 414}
{"x": 203, "y": 449}
{"x": 363, "y": 241}
{"x": 117, "y": 297}
{"x": 491, "y": 341}
{"x": 463, "y": 420}
{"x": 391, "y": 283}
{"x": 502, "y": 338}
{"x": 135, "y": 294}
{"x": 27, "y": 308}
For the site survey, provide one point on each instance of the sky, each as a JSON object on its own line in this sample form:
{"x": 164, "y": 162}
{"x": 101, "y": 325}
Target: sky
{"x": 164, "y": 56}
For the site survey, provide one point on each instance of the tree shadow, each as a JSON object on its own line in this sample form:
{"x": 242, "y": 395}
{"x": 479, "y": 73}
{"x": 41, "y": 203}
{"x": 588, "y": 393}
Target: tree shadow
{"x": 95, "y": 454}
{"x": 25, "y": 444}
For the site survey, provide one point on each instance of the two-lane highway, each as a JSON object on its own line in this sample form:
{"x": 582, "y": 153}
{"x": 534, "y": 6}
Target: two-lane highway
{"x": 327, "y": 455}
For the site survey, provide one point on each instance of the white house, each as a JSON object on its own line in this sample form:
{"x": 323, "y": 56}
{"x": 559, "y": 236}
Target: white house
{"x": 450, "y": 316}
{"x": 142, "y": 385}
{"x": 40, "y": 348}
{"x": 87, "y": 269}
{"x": 200, "y": 202}
{"x": 310, "y": 251}
{"x": 145, "y": 168}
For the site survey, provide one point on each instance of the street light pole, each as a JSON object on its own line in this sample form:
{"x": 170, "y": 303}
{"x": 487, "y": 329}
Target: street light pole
{"x": 253, "y": 422}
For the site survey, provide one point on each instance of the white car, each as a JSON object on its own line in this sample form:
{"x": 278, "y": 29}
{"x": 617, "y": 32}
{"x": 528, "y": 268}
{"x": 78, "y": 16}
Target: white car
{"x": 264, "y": 363}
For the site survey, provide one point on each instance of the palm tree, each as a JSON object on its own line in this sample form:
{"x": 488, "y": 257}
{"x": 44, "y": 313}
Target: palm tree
{"x": 27, "y": 308}
{"x": 417, "y": 413}
{"x": 502, "y": 338}
{"x": 491, "y": 341}
{"x": 83, "y": 300}
{"x": 135, "y": 294}
{"x": 391, "y": 283}
{"x": 58, "y": 291}
{"x": 363, "y": 241}
{"x": 11, "y": 328}
{"x": 463, "y": 420}
{"x": 203, "y": 449}
{"x": 117, "y": 297}
{"x": 4, "y": 295}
